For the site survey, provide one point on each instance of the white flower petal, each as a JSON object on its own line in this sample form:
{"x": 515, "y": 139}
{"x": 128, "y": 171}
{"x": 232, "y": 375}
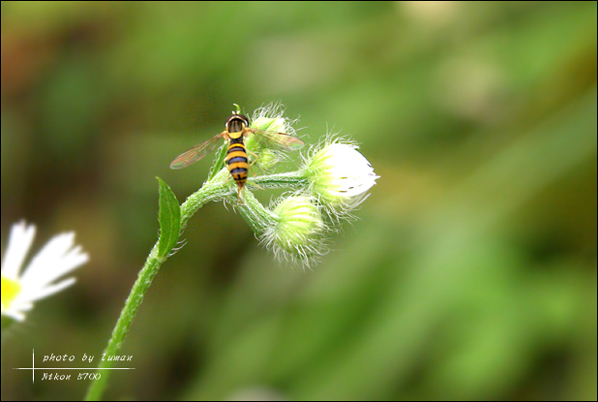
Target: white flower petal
{"x": 29, "y": 297}
{"x": 52, "y": 261}
{"x": 14, "y": 314}
{"x": 56, "y": 269}
{"x": 57, "y": 258}
{"x": 19, "y": 242}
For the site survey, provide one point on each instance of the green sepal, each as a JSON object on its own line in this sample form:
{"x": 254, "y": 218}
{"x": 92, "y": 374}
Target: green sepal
{"x": 170, "y": 220}
{"x": 219, "y": 162}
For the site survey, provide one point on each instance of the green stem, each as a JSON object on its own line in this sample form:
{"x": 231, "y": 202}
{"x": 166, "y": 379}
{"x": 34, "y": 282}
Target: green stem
{"x": 217, "y": 188}
{"x": 255, "y": 214}
{"x": 293, "y": 180}
{"x": 211, "y": 191}
{"x": 144, "y": 280}
{"x": 6, "y": 323}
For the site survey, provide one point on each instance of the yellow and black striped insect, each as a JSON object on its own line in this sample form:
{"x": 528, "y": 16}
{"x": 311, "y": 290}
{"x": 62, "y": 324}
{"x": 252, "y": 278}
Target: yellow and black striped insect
{"x": 237, "y": 161}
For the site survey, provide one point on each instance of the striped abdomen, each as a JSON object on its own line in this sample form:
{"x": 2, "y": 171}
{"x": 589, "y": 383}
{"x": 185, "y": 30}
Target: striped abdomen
{"x": 236, "y": 160}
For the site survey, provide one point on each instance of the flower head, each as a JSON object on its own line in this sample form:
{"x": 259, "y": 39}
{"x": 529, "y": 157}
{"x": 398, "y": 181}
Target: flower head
{"x": 296, "y": 233}
{"x": 339, "y": 175}
{"x": 270, "y": 120}
{"x": 20, "y": 289}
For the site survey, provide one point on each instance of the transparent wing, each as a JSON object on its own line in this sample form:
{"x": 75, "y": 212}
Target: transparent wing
{"x": 196, "y": 152}
{"x": 280, "y": 140}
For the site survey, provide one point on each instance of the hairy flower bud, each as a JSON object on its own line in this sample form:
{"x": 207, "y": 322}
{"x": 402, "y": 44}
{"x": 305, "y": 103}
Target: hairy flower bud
{"x": 296, "y": 234}
{"x": 339, "y": 175}
{"x": 270, "y": 121}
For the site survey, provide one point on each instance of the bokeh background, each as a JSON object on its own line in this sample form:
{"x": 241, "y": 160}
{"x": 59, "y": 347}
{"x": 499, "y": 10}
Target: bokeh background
{"x": 470, "y": 273}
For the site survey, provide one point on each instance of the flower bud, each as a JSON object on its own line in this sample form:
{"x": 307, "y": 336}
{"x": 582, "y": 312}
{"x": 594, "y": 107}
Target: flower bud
{"x": 297, "y": 231}
{"x": 269, "y": 158}
{"x": 339, "y": 175}
{"x": 269, "y": 121}
{"x": 275, "y": 124}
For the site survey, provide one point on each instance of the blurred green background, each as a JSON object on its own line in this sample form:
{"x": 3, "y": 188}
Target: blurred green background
{"x": 470, "y": 273}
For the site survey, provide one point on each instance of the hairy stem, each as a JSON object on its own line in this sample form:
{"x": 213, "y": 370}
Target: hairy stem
{"x": 211, "y": 191}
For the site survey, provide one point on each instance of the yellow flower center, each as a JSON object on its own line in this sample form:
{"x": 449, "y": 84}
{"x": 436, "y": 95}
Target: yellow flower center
{"x": 10, "y": 290}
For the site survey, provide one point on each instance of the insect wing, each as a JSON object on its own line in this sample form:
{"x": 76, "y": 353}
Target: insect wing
{"x": 280, "y": 140}
{"x": 196, "y": 152}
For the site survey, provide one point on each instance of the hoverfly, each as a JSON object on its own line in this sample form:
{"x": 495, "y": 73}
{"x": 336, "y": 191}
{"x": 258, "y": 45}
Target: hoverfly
{"x": 237, "y": 162}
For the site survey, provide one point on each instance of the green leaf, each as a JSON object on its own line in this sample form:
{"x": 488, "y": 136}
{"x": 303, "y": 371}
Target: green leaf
{"x": 219, "y": 162}
{"x": 170, "y": 220}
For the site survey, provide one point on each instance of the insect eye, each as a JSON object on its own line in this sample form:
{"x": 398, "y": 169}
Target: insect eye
{"x": 231, "y": 119}
{"x": 244, "y": 119}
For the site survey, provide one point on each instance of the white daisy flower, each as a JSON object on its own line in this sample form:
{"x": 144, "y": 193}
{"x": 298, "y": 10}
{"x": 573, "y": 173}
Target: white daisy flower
{"x": 21, "y": 288}
{"x": 340, "y": 175}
